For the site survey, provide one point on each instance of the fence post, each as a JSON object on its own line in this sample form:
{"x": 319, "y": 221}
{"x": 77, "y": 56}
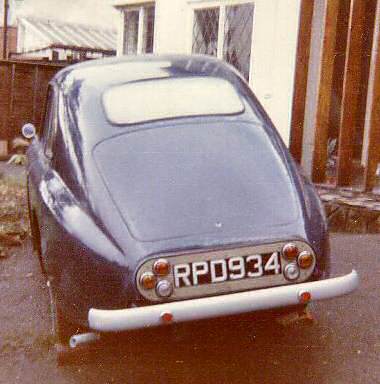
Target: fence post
{"x": 35, "y": 90}
{"x": 351, "y": 92}
{"x": 5, "y": 29}
{"x": 324, "y": 91}
{"x": 300, "y": 78}
{"x": 11, "y": 98}
{"x": 372, "y": 118}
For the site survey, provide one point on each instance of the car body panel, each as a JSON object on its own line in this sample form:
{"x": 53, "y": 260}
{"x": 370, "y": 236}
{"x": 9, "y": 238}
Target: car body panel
{"x": 197, "y": 180}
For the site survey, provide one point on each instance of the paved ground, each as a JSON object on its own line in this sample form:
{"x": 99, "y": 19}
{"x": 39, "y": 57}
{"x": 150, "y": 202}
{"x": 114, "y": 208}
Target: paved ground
{"x": 343, "y": 347}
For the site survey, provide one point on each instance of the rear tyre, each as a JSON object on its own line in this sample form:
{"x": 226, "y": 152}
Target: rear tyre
{"x": 62, "y": 330}
{"x": 36, "y": 239}
{"x": 35, "y": 231}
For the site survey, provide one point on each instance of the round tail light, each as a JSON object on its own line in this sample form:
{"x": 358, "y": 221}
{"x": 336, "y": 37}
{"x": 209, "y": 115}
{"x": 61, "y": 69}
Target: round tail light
{"x": 290, "y": 251}
{"x": 292, "y": 272}
{"x": 164, "y": 288}
{"x": 161, "y": 267}
{"x": 148, "y": 280}
{"x": 305, "y": 260}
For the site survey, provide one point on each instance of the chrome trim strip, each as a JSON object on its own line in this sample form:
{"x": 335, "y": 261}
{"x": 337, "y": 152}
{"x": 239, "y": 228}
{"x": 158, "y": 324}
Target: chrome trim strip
{"x": 215, "y": 306}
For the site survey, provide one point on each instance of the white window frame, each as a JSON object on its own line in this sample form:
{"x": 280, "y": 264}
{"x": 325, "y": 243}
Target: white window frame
{"x": 195, "y": 5}
{"x": 140, "y": 29}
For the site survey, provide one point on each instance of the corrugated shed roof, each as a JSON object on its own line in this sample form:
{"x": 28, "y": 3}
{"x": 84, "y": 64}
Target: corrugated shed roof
{"x": 72, "y": 35}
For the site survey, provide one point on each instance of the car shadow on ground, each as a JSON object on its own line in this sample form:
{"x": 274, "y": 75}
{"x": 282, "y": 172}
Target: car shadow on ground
{"x": 232, "y": 350}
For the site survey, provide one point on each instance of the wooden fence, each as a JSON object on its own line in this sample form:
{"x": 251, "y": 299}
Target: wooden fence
{"x": 342, "y": 147}
{"x": 23, "y": 87}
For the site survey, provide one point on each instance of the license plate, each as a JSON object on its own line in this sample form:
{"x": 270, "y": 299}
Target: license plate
{"x": 228, "y": 269}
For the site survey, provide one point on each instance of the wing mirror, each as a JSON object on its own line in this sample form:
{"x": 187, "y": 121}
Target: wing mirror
{"x": 28, "y": 131}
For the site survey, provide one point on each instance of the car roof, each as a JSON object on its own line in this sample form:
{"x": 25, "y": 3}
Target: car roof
{"x": 83, "y": 85}
{"x": 119, "y": 70}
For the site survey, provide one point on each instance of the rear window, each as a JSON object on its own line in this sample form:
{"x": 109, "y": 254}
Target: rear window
{"x": 169, "y": 98}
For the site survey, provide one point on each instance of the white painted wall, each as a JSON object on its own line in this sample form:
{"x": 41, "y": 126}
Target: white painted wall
{"x": 171, "y": 32}
{"x": 273, "y": 48}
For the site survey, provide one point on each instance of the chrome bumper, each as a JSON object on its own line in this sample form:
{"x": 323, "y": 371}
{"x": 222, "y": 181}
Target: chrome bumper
{"x": 224, "y": 305}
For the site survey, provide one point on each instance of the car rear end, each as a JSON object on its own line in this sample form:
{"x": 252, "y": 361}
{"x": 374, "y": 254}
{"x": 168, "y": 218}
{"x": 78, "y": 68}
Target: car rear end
{"x": 216, "y": 220}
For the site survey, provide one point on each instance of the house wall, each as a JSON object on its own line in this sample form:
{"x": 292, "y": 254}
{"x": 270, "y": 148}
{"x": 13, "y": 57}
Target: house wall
{"x": 273, "y": 54}
{"x": 172, "y": 30}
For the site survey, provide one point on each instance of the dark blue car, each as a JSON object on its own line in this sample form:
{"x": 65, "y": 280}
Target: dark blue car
{"x": 160, "y": 192}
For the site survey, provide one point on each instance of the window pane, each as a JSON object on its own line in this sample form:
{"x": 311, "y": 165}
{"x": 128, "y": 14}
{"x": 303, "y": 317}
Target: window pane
{"x": 148, "y": 30}
{"x": 205, "y": 31}
{"x": 238, "y": 37}
{"x": 131, "y": 26}
{"x": 168, "y": 98}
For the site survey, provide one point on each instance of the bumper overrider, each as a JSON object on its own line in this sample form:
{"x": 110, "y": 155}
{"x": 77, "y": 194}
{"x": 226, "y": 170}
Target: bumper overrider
{"x": 100, "y": 320}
